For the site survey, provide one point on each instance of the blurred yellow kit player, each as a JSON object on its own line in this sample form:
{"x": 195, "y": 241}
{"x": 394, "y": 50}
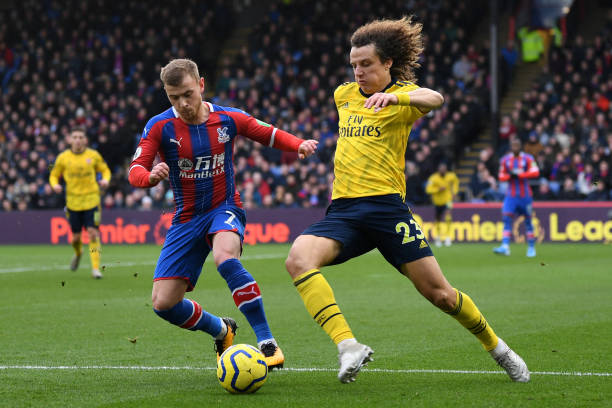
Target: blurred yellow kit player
{"x": 443, "y": 187}
{"x": 78, "y": 166}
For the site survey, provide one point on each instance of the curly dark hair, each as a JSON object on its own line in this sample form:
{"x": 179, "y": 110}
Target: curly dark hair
{"x": 397, "y": 40}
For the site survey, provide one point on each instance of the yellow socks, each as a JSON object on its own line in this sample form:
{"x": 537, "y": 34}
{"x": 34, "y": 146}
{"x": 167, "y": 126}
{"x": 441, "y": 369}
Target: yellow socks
{"x": 94, "y": 254}
{"x": 77, "y": 247}
{"x": 319, "y": 300}
{"x": 466, "y": 313}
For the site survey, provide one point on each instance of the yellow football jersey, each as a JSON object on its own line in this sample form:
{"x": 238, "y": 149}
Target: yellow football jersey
{"x": 79, "y": 173}
{"x": 371, "y": 146}
{"x": 442, "y": 188}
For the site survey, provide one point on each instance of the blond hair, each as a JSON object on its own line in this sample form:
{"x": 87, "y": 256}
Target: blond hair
{"x": 398, "y": 40}
{"x": 173, "y": 73}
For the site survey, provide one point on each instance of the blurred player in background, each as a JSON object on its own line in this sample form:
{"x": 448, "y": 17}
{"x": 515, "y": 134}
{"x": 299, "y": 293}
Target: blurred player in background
{"x": 517, "y": 168}
{"x": 443, "y": 187}
{"x": 79, "y": 167}
{"x": 368, "y": 208}
{"x": 195, "y": 141}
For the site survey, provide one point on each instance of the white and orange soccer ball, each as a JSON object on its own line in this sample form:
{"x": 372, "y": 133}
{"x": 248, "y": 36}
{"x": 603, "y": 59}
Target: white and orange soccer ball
{"x": 242, "y": 369}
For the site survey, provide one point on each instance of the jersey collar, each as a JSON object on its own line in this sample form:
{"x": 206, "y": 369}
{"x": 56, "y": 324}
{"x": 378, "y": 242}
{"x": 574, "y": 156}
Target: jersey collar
{"x": 383, "y": 90}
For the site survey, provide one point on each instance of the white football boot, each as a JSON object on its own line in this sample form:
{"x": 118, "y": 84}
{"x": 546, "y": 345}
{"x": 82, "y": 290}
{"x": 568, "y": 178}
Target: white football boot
{"x": 510, "y": 361}
{"x": 352, "y": 356}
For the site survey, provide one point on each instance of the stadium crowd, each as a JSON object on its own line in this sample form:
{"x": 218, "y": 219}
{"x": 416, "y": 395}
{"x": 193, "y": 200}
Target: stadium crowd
{"x": 565, "y": 122}
{"x": 96, "y": 64}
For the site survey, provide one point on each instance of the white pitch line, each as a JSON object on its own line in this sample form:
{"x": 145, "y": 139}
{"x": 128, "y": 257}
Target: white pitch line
{"x": 112, "y": 264}
{"x": 295, "y": 369}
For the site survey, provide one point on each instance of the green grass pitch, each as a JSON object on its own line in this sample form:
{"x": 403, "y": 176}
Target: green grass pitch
{"x": 67, "y": 340}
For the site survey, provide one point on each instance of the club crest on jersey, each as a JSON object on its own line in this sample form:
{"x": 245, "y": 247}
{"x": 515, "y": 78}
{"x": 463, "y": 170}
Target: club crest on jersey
{"x": 223, "y": 136}
{"x": 185, "y": 164}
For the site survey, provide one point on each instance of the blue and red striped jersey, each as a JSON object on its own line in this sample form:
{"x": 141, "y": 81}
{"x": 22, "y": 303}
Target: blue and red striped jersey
{"x": 200, "y": 157}
{"x": 524, "y": 167}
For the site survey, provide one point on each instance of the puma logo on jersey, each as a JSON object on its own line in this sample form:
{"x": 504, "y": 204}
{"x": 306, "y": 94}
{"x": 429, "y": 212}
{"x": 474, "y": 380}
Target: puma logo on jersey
{"x": 178, "y": 142}
{"x": 345, "y": 106}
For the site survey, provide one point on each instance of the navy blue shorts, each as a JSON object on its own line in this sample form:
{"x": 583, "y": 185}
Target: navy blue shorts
{"x": 187, "y": 245}
{"x": 439, "y": 211}
{"x": 85, "y": 218}
{"x": 362, "y": 224}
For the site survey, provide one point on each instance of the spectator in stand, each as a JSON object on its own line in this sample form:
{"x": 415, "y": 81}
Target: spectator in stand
{"x": 601, "y": 193}
{"x": 533, "y": 145}
{"x": 543, "y": 192}
{"x": 568, "y": 190}
{"x": 483, "y": 185}
{"x": 507, "y": 130}
{"x": 585, "y": 181}
{"x": 415, "y": 191}
{"x": 510, "y": 57}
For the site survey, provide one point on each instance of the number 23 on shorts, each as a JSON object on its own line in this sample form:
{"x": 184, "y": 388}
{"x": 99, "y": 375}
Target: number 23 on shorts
{"x": 404, "y": 228}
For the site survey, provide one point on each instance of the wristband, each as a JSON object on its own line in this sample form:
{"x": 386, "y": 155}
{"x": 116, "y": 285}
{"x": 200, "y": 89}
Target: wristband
{"x": 403, "y": 98}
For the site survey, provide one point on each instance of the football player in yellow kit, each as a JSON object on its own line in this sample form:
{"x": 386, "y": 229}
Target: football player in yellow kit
{"x": 368, "y": 208}
{"x": 79, "y": 166}
{"x": 443, "y": 187}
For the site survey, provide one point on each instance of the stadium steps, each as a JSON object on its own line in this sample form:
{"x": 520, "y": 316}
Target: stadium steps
{"x": 246, "y": 21}
{"x": 466, "y": 165}
{"x": 524, "y": 77}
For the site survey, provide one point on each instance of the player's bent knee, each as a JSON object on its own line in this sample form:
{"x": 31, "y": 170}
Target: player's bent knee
{"x": 442, "y": 299}
{"x": 292, "y": 264}
{"x": 93, "y": 234}
{"x": 223, "y": 256}
{"x": 163, "y": 303}
{"x": 297, "y": 262}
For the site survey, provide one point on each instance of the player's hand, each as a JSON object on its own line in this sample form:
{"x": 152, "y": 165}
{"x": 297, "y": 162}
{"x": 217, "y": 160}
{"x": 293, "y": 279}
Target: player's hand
{"x": 307, "y": 148}
{"x": 159, "y": 172}
{"x": 103, "y": 183}
{"x": 379, "y": 100}
{"x": 57, "y": 188}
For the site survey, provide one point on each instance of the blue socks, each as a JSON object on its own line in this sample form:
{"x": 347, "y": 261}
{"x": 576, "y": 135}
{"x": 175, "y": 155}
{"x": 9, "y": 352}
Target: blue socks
{"x": 529, "y": 228}
{"x": 247, "y": 297}
{"x": 190, "y": 315}
{"x": 507, "y": 229}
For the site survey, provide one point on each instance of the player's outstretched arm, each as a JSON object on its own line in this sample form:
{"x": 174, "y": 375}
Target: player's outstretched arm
{"x": 424, "y": 99}
{"x": 269, "y": 135}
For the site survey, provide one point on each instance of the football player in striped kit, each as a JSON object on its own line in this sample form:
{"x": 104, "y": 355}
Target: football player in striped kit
{"x": 517, "y": 168}
{"x": 194, "y": 140}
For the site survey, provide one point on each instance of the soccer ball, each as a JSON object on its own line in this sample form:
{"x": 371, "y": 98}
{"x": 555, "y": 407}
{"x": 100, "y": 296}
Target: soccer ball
{"x": 242, "y": 369}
